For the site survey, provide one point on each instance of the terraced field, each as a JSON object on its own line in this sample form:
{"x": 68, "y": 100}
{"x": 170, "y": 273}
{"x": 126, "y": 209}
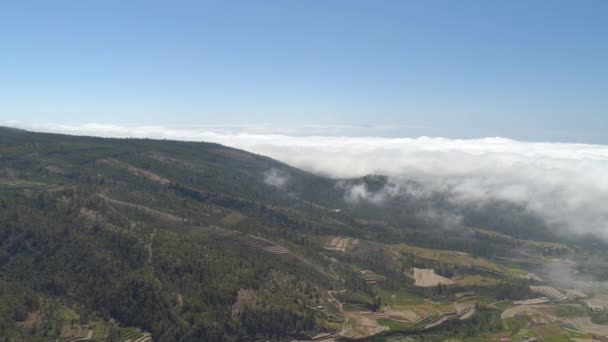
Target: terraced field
{"x": 134, "y": 335}
{"x": 426, "y": 315}
{"x": 461, "y": 259}
{"x": 370, "y": 277}
{"x": 263, "y": 245}
{"x": 339, "y": 243}
{"x": 550, "y": 292}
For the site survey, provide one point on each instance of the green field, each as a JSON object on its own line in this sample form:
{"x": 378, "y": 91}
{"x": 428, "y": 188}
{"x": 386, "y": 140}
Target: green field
{"x": 401, "y": 297}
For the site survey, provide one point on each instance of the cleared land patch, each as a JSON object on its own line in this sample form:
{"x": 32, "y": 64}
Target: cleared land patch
{"x": 425, "y": 277}
{"x": 339, "y": 243}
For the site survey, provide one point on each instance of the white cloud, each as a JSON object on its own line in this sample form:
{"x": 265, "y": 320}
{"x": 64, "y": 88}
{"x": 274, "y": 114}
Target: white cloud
{"x": 355, "y": 193}
{"x": 568, "y": 183}
{"x": 276, "y": 178}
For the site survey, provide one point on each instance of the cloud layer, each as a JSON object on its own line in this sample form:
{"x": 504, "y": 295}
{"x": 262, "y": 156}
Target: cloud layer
{"x": 567, "y": 183}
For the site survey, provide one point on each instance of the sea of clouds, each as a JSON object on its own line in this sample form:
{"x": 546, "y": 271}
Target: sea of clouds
{"x": 567, "y": 183}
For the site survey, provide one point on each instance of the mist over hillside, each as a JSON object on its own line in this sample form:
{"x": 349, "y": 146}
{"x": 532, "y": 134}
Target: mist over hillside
{"x": 327, "y": 171}
{"x": 120, "y": 239}
{"x": 563, "y": 182}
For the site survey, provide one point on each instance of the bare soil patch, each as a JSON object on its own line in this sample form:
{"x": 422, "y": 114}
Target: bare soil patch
{"x": 425, "y": 277}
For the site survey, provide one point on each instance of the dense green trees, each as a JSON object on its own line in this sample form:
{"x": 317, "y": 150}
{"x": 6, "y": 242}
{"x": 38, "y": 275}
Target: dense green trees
{"x": 513, "y": 289}
{"x": 16, "y": 301}
{"x": 164, "y": 236}
{"x": 50, "y": 248}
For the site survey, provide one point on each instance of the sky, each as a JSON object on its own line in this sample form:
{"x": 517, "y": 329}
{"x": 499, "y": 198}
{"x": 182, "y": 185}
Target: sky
{"x": 487, "y": 99}
{"x": 524, "y": 70}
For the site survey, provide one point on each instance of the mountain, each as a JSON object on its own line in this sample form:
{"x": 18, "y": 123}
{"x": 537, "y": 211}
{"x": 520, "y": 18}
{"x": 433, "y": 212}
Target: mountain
{"x": 139, "y": 239}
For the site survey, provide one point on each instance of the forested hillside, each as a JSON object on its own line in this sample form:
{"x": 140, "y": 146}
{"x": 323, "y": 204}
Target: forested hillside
{"x": 116, "y": 239}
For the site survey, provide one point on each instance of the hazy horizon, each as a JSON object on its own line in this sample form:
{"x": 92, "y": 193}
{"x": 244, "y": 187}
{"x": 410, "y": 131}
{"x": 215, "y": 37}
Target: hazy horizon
{"x": 470, "y": 69}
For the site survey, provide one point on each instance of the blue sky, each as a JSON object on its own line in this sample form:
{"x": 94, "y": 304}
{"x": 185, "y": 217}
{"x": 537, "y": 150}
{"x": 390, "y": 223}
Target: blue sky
{"x": 531, "y": 70}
